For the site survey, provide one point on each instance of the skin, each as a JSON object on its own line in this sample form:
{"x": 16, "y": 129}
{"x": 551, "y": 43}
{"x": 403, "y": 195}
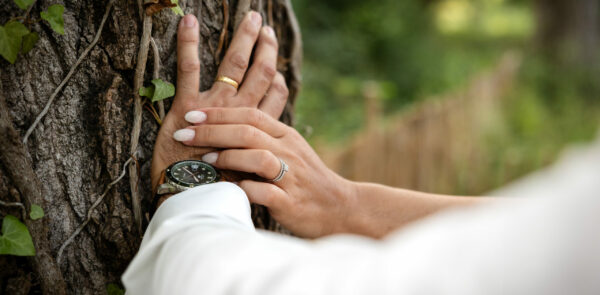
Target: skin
{"x": 310, "y": 200}
{"x": 261, "y": 86}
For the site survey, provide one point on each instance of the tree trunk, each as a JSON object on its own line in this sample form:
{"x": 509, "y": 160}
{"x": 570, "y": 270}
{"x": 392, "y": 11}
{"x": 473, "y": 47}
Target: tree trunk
{"x": 82, "y": 143}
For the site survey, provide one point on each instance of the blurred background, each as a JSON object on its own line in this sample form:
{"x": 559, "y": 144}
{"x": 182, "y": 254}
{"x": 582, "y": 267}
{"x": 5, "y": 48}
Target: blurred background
{"x": 448, "y": 96}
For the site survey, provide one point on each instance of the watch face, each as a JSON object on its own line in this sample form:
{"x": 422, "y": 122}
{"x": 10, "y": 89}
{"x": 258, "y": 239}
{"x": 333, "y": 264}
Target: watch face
{"x": 190, "y": 173}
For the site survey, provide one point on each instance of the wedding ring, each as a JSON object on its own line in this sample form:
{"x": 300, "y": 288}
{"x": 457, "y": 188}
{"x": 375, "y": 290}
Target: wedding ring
{"x": 284, "y": 169}
{"x": 228, "y": 80}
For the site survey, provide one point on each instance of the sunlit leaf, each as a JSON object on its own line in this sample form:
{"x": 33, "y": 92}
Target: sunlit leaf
{"x": 36, "y": 212}
{"x": 11, "y": 36}
{"x": 15, "y": 238}
{"x": 162, "y": 90}
{"x": 177, "y": 9}
{"x": 29, "y": 41}
{"x": 24, "y": 4}
{"x": 54, "y": 16}
{"x": 147, "y": 91}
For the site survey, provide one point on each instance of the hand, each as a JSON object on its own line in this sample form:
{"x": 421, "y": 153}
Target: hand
{"x": 261, "y": 78}
{"x": 310, "y": 199}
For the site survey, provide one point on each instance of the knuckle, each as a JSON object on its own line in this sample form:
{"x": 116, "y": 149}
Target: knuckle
{"x": 267, "y": 69}
{"x": 282, "y": 88}
{"x": 264, "y": 161}
{"x": 238, "y": 61}
{"x": 247, "y": 134}
{"x": 255, "y": 117}
{"x": 248, "y": 28}
{"x": 205, "y": 134}
{"x": 188, "y": 36}
{"x": 189, "y": 65}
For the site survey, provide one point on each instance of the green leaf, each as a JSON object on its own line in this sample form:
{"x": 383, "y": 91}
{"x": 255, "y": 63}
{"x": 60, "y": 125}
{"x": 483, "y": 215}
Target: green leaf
{"x": 29, "y": 41}
{"x": 15, "y": 238}
{"x": 177, "y": 9}
{"x": 162, "y": 90}
{"x": 147, "y": 91}
{"x": 114, "y": 289}
{"x": 54, "y": 16}
{"x": 24, "y": 4}
{"x": 11, "y": 36}
{"x": 36, "y": 212}
{"x": 159, "y": 91}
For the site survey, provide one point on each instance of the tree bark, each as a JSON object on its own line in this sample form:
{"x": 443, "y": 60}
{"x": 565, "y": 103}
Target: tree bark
{"x": 81, "y": 144}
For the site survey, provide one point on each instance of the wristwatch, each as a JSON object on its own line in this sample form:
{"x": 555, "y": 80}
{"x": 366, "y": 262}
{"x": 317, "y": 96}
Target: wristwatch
{"x": 186, "y": 174}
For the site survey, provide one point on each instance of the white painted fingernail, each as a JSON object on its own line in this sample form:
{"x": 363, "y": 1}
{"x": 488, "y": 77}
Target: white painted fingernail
{"x": 210, "y": 158}
{"x": 184, "y": 134}
{"x": 195, "y": 116}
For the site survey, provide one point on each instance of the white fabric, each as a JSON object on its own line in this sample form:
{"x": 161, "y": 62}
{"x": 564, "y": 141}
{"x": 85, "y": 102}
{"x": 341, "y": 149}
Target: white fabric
{"x": 202, "y": 241}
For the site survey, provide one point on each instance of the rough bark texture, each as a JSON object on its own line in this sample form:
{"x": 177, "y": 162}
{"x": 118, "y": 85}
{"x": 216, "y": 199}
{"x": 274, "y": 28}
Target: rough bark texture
{"x": 83, "y": 141}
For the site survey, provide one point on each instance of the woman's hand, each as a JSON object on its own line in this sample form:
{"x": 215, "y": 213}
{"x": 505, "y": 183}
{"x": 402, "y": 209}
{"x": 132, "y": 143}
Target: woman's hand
{"x": 261, "y": 86}
{"x": 310, "y": 199}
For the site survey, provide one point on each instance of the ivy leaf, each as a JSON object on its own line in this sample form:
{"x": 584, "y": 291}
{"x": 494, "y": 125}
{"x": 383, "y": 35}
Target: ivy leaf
{"x": 177, "y": 9}
{"x": 114, "y": 289}
{"x": 29, "y": 41}
{"x": 54, "y": 16}
{"x": 159, "y": 91}
{"x": 147, "y": 91}
{"x": 24, "y": 4}
{"x": 162, "y": 90}
{"x": 36, "y": 212}
{"x": 15, "y": 238}
{"x": 11, "y": 36}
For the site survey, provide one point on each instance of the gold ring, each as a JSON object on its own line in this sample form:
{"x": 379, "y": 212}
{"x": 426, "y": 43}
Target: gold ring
{"x": 228, "y": 80}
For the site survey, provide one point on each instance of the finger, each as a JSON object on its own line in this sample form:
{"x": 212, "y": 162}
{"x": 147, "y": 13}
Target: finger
{"x": 237, "y": 57}
{"x": 263, "y": 69}
{"x": 224, "y": 136}
{"x": 266, "y": 194}
{"x": 247, "y": 116}
{"x": 261, "y": 162}
{"x": 188, "y": 63}
{"x": 274, "y": 102}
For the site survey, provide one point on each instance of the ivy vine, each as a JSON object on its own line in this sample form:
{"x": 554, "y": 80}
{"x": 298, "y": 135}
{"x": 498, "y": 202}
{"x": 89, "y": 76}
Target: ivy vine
{"x": 16, "y": 37}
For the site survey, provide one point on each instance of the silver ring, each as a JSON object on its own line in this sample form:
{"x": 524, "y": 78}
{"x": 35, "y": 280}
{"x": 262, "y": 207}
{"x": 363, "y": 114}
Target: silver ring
{"x": 284, "y": 169}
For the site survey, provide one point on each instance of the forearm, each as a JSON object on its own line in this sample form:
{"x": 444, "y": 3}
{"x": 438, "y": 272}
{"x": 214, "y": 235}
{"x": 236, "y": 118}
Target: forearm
{"x": 380, "y": 209}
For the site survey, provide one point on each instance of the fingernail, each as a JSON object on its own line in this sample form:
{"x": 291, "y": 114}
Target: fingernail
{"x": 189, "y": 20}
{"x": 195, "y": 116}
{"x": 210, "y": 158}
{"x": 269, "y": 31}
{"x": 256, "y": 19}
{"x": 184, "y": 134}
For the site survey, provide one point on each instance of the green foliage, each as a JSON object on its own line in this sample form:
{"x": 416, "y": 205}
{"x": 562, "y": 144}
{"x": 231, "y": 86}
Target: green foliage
{"x": 15, "y": 238}
{"x": 54, "y": 16}
{"x": 36, "y": 212}
{"x": 11, "y": 36}
{"x": 114, "y": 289}
{"x": 177, "y": 9}
{"x": 24, "y": 4}
{"x": 158, "y": 91}
{"x": 29, "y": 41}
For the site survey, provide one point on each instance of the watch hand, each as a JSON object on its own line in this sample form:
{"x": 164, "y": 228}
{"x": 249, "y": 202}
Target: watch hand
{"x": 192, "y": 174}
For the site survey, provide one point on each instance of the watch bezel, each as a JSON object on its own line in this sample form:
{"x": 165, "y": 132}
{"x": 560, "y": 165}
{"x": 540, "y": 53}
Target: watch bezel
{"x": 174, "y": 181}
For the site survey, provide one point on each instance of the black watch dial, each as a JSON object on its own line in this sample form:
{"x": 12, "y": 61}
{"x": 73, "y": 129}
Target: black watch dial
{"x": 190, "y": 173}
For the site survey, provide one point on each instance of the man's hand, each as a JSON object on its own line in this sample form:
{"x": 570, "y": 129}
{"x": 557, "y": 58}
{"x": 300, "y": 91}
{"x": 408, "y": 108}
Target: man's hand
{"x": 261, "y": 86}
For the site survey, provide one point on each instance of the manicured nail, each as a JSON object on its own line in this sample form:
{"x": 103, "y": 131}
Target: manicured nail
{"x": 195, "y": 116}
{"x": 184, "y": 134}
{"x": 256, "y": 19}
{"x": 210, "y": 158}
{"x": 269, "y": 31}
{"x": 189, "y": 20}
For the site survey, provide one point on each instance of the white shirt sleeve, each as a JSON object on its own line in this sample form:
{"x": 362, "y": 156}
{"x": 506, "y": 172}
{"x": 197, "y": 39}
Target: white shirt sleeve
{"x": 202, "y": 241}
